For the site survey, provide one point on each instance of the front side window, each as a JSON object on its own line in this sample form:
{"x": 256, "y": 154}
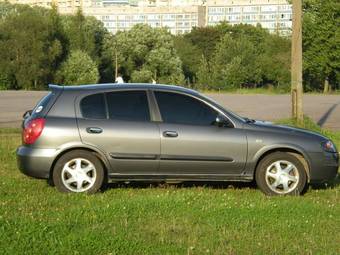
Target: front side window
{"x": 128, "y": 105}
{"x": 93, "y": 107}
{"x": 182, "y": 109}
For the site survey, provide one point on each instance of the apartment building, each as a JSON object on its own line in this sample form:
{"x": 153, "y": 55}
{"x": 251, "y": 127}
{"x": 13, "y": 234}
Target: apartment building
{"x": 179, "y": 16}
{"x": 176, "y": 20}
{"x": 274, "y": 15}
{"x": 72, "y": 5}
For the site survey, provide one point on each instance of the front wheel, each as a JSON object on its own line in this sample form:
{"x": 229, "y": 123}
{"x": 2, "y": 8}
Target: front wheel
{"x": 78, "y": 171}
{"x": 281, "y": 173}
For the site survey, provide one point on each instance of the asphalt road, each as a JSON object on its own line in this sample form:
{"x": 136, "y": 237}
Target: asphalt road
{"x": 325, "y": 110}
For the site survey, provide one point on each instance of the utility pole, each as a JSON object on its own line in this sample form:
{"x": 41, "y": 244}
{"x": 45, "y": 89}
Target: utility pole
{"x": 296, "y": 68}
{"x": 116, "y": 64}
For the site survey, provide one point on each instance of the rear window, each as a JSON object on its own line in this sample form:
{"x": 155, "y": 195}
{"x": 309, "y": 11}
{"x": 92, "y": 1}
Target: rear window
{"x": 128, "y": 105}
{"x": 41, "y": 106}
{"x": 93, "y": 107}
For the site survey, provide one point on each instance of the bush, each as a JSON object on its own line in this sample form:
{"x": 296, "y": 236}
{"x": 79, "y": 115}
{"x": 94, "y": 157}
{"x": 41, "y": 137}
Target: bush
{"x": 78, "y": 69}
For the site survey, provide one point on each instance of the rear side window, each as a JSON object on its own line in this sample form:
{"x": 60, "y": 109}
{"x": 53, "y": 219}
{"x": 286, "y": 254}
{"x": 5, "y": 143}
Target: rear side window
{"x": 93, "y": 107}
{"x": 40, "y": 108}
{"x": 128, "y": 105}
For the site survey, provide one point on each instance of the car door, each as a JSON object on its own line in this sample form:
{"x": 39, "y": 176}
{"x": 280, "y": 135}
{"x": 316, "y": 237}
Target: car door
{"x": 191, "y": 141}
{"x": 119, "y": 124}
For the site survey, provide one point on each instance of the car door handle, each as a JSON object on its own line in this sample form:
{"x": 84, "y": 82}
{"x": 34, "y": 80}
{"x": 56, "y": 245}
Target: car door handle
{"x": 170, "y": 134}
{"x": 94, "y": 130}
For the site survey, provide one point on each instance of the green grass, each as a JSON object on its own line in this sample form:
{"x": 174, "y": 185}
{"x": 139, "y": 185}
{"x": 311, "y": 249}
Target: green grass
{"x": 163, "y": 219}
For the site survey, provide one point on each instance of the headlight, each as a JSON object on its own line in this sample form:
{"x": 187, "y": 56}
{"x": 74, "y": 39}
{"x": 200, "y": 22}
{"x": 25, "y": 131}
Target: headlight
{"x": 328, "y": 146}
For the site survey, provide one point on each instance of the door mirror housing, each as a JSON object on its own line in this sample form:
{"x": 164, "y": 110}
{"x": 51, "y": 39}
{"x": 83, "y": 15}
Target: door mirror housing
{"x": 222, "y": 121}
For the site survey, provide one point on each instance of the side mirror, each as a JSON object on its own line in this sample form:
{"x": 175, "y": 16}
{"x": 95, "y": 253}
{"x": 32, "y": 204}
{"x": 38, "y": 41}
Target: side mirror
{"x": 222, "y": 121}
{"x": 27, "y": 114}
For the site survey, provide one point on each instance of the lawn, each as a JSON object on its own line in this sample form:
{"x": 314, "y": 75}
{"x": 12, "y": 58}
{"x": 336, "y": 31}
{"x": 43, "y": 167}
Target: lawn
{"x": 161, "y": 219}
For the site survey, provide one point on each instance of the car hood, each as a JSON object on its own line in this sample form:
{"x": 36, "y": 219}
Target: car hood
{"x": 270, "y": 127}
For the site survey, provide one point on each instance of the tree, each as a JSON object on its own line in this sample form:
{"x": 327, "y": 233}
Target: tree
{"x": 235, "y": 63}
{"x": 57, "y": 37}
{"x": 190, "y": 56}
{"x": 204, "y": 79}
{"x": 205, "y": 39}
{"x": 108, "y": 67}
{"x": 26, "y": 48}
{"x": 78, "y": 69}
{"x": 275, "y": 62}
{"x": 5, "y": 82}
{"x": 148, "y": 50}
{"x": 89, "y": 35}
{"x": 144, "y": 76}
{"x": 321, "y": 44}
{"x": 165, "y": 65}
{"x": 222, "y": 68}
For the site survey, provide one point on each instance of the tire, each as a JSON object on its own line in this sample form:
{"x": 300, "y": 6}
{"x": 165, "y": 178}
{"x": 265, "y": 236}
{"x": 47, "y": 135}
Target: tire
{"x": 281, "y": 173}
{"x": 78, "y": 171}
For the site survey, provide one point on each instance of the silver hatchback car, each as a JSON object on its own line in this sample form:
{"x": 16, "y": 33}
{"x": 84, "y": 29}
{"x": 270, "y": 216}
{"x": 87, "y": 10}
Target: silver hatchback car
{"x": 81, "y": 137}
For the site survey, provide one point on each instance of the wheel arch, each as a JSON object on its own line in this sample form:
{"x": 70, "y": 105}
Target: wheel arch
{"x": 298, "y": 152}
{"x": 95, "y": 151}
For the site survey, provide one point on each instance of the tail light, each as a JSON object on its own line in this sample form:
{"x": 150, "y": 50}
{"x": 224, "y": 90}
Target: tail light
{"x": 33, "y": 130}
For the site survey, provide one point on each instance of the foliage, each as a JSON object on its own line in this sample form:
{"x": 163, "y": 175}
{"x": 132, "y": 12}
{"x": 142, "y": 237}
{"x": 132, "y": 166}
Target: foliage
{"x": 190, "y": 55}
{"x": 143, "y": 75}
{"x": 85, "y": 34}
{"x": 235, "y": 63}
{"x": 89, "y": 35}
{"x": 5, "y": 82}
{"x": 204, "y": 74}
{"x": 321, "y": 43}
{"x": 78, "y": 69}
{"x": 244, "y": 56}
{"x": 27, "y": 47}
{"x": 205, "y": 39}
{"x": 35, "y": 42}
{"x": 144, "y": 50}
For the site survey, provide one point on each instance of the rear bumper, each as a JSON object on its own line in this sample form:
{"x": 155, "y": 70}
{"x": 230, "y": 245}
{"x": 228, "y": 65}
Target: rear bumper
{"x": 324, "y": 167}
{"x": 35, "y": 162}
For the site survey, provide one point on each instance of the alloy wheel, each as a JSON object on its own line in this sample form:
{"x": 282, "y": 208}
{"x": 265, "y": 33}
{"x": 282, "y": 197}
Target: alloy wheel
{"x": 282, "y": 177}
{"x": 78, "y": 175}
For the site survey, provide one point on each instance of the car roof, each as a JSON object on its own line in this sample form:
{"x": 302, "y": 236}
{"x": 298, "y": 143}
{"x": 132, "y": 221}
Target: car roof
{"x": 127, "y": 86}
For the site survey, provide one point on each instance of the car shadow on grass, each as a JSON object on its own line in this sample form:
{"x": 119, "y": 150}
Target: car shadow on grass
{"x": 327, "y": 185}
{"x": 206, "y": 184}
{"x": 186, "y": 184}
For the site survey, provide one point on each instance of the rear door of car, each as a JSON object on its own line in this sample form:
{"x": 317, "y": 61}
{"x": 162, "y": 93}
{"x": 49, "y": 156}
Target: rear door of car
{"x": 191, "y": 142}
{"x": 119, "y": 123}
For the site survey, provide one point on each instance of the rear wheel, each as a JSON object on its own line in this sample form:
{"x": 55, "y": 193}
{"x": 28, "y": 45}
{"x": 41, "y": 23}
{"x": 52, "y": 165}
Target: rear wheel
{"x": 78, "y": 171}
{"x": 281, "y": 173}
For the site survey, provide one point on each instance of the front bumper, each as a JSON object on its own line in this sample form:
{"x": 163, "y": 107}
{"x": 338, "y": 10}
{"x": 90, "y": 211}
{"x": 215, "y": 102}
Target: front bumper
{"x": 35, "y": 162}
{"x": 324, "y": 166}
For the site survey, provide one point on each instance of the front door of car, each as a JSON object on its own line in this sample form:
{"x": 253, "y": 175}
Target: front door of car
{"x": 123, "y": 132}
{"x": 193, "y": 143}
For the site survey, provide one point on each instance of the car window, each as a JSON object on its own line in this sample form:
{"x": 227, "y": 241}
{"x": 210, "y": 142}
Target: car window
{"x": 182, "y": 109}
{"x": 128, "y": 105}
{"x": 93, "y": 107}
{"x": 38, "y": 109}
